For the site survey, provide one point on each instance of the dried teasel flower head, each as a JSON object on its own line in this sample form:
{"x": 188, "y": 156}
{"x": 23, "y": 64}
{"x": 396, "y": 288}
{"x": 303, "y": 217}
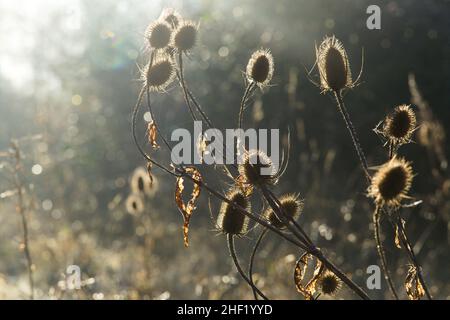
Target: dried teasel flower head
{"x": 291, "y": 205}
{"x": 142, "y": 184}
{"x": 400, "y": 125}
{"x": 333, "y": 65}
{"x": 391, "y": 182}
{"x": 158, "y": 34}
{"x": 230, "y": 219}
{"x": 184, "y": 36}
{"x": 157, "y": 75}
{"x": 329, "y": 283}
{"x": 134, "y": 204}
{"x": 257, "y": 168}
{"x": 260, "y": 67}
{"x": 171, "y": 16}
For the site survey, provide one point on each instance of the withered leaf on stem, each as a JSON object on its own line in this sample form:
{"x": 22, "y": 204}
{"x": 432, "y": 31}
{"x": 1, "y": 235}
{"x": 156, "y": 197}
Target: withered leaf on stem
{"x": 152, "y": 134}
{"x": 149, "y": 170}
{"x": 186, "y": 209}
{"x": 301, "y": 267}
{"x": 413, "y": 286}
{"x": 398, "y": 235}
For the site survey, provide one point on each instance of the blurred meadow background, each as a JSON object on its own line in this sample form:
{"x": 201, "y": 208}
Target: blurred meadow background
{"x": 69, "y": 75}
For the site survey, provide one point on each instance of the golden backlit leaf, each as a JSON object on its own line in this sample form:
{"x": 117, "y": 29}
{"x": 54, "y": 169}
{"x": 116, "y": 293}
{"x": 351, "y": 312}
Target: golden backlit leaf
{"x": 152, "y": 134}
{"x": 413, "y": 286}
{"x": 187, "y": 208}
{"x": 201, "y": 146}
{"x": 301, "y": 266}
{"x": 398, "y": 235}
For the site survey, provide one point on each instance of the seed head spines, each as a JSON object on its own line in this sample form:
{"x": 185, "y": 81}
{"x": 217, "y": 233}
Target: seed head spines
{"x": 157, "y": 75}
{"x": 260, "y": 68}
{"x": 230, "y": 219}
{"x": 184, "y": 37}
{"x": 391, "y": 182}
{"x": 333, "y": 65}
{"x": 400, "y": 125}
{"x": 292, "y": 207}
{"x": 158, "y": 34}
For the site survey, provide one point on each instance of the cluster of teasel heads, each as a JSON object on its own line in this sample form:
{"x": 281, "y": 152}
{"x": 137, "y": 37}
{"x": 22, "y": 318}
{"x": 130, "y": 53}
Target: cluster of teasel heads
{"x": 170, "y": 37}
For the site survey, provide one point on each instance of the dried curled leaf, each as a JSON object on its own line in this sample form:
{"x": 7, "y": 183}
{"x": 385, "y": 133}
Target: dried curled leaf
{"x": 413, "y": 286}
{"x": 201, "y": 147}
{"x": 245, "y": 187}
{"x": 187, "y": 208}
{"x": 398, "y": 234}
{"x": 152, "y": 134}
{"x": 301, "y": 267}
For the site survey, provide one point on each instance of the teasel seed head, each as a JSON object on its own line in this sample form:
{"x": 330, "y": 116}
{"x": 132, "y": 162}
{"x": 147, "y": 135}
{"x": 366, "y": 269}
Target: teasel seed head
{"x": 257, "y": 168}
{"x": 260, "y": 67}
{"x": 141, "y": 184}
{"x": 391, "y": 182}
{"x": 230, "y": 219}
{"x": 291, "y": 205}
{"x": 184, "y": 36}
{"x": 329, "y": 283}
{"x": 399, "y": 126}
{"x": 171, "y": 16}
{"x": 160, "y": 74}
{"x": 333, "y": 65}
{"x": 134, "y": 204}
{"x": 158, "y": 34}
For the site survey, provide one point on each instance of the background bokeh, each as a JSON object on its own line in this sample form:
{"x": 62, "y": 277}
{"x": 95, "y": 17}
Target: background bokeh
{"x": 69, "y": 76}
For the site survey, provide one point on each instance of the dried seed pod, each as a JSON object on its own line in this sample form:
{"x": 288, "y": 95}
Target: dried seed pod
{"x": 257, "y": 168}
{"x": 160, "y": 74}
{"x": 391, "y": 182}
{"x": 134, "y": 204}
{"x": 291, "y": 205}
{"x": 260, "y": 67}
{"x": 171, "y": 16}
{"x": 230, "y": 219}
{"x": 158, "y": 34}
{"x": 184, "y": 37}
{"x": 333, "y": 65}
{"x": 399, "y": 126}
{"x": 329, "y": 283}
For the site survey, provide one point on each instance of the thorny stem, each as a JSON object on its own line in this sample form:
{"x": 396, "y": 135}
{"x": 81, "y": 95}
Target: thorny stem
{"x": 352, "y": 131}
{"x": 150, "y": 110}
{"x": 21, "y": 208}
{"x": 248, "y": 90}
{"x": 381, "y": 252}
{"x": 407, "y": 244}
{"x": 133, "y": 130}
{"x": 230, "y": 238}
{"x": 252, "y": 259}
{"x": 183, "y": 85}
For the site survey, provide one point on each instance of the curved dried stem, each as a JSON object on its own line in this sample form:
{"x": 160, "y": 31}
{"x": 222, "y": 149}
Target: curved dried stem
{"x": 252, "y": 259}
{"x": 381, "y": 252}
{"x": 180, "y": 75}
{"x": 353, "y": 135}
{"x": 249, "y": 88}
{"x": 232, "y": 249}
{"x": 21, "y": 208}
